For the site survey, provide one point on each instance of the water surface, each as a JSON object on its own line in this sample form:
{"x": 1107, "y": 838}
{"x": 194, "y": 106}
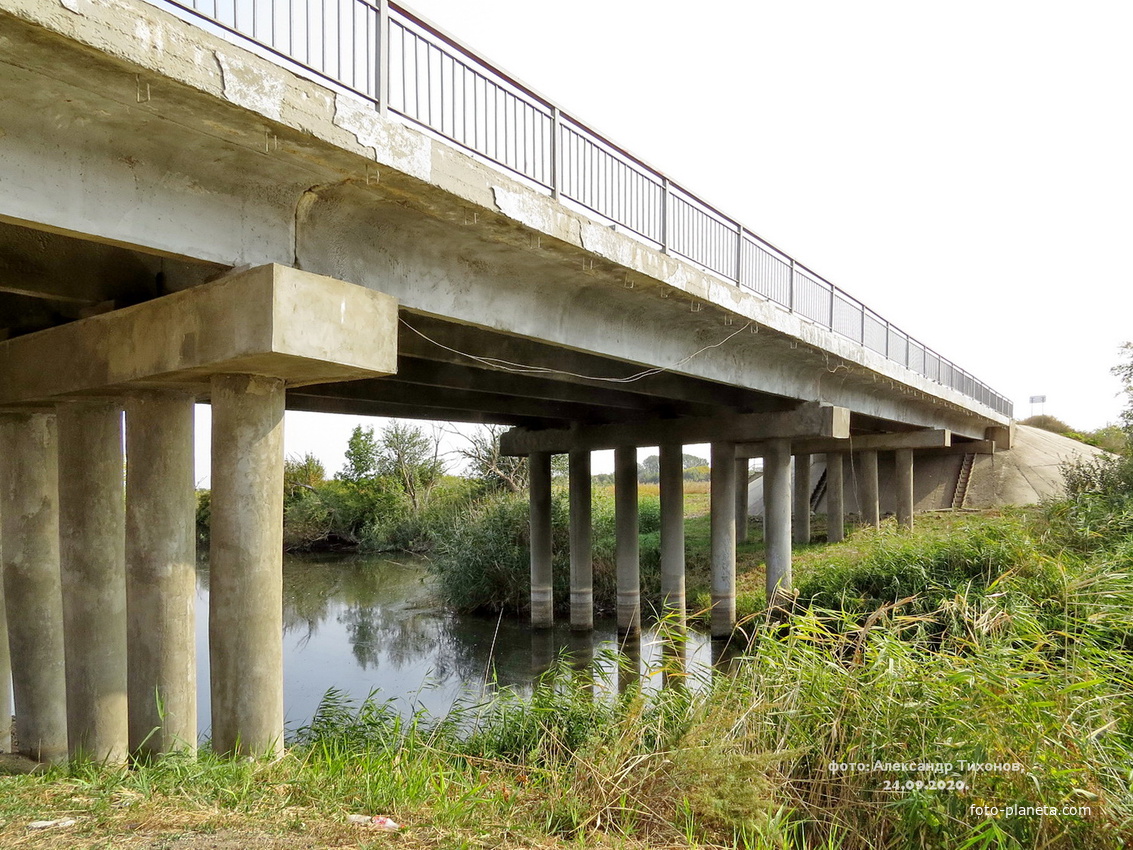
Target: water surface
{"x": 366, "y": 624}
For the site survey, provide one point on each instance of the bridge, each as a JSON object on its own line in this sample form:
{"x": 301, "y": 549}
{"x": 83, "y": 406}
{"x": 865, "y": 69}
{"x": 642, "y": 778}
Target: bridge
{"x": 339, "y": 207}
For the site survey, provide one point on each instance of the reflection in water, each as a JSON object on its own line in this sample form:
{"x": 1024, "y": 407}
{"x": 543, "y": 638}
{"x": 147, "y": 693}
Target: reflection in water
{"x": 367, "y": 624}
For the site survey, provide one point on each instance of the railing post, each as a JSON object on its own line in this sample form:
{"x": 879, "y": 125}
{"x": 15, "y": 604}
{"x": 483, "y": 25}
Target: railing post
{"x": 739, "y": 254}
{"x": 383, "y": 63}
{"x": 556, "y": 159}
{"x": 791, "y": 289}
{"x": 665, "y": 236}
{"x": 830, "y": 324}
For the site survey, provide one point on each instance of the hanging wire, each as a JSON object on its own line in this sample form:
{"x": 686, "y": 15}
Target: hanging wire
{"x": 525, "y": 369}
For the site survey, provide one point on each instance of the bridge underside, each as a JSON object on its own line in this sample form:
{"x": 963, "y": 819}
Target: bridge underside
{"x": 183, "y": 220}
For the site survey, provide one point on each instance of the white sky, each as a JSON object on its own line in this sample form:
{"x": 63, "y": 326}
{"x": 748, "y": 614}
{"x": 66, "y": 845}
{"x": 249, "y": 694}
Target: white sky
{"x": 966, "y": 169}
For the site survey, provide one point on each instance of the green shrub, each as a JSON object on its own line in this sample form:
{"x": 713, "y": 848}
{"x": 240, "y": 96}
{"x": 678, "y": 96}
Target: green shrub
{"x": 482, "y": 554}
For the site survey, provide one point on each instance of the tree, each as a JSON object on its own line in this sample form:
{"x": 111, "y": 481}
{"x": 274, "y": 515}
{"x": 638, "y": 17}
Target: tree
{"x": 302, "y": 474}
{"x": 1124, "y": 373}
{"x": 361, "y": 456}
{"x": 408, "y": 455}
{"x": 494, "y": 471}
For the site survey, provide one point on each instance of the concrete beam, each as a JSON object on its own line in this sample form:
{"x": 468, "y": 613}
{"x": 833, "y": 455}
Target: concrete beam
{"x": 877, "y": 442}
{"x": 808, "y": 420}
{"x": 972, "y": 447}
{"x": 272, "y": 320}
{"x": 1002, "y": 435}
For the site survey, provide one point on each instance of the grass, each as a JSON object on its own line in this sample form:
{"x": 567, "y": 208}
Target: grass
{"x": 992, "y": 639}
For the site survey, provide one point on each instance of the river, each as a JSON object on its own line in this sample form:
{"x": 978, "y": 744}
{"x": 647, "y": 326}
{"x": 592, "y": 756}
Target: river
{"x": 366, "y": 624}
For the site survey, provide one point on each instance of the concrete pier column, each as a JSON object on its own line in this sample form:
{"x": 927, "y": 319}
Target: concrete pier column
{"x": 777, "y": 518}
{"x": 92, "y": 558}
{"x": 246, "y": 564}
{"x": 629, "y": 662}
{"x": 835, "y": 498}
{"x": 723, "y": 529}
{"x": 867, "y": 488}
{"x": 800, "y": 515}
{"x": 581, "y": 558}
{"x": 161, "y": 573}
{"x": 627, "y": 544}
{"x": 743, "y": 507}
{"x": 5, "y": 671}
{"x": 29, "y": 529}
{"x": 542, "y": 582}
{"x": 904, "y": 461}
{"x": 672, "y": 486}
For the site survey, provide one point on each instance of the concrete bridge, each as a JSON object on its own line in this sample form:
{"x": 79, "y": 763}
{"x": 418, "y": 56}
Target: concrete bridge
{"x": 355, "y": 213}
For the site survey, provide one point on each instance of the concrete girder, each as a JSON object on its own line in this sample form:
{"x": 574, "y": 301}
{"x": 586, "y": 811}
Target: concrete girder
{"x": 812, "y": 419}
{"x": 448, "y": 376}
{"x": 395, "y": 391}
{"x": 581, "y": 368}
{"x": 302, "y": 400}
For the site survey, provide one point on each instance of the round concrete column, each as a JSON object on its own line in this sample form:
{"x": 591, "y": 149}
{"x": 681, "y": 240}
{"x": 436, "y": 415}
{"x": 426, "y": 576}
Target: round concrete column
{"x": 672, "y": 487}
{"x": 92, "y": 562}
{"x": 904, "y": 462}
{"x": 835, "y": 498}
{"x": 30, "y": 533}
{"x": 627, "y": 544}
{"x": 5, "y": 673}
{"x": 581, "y": 560}
{"x": 800, "y": 515}
{"x": 246, "y": 565}
{"x": 777, "y": 518}
{"x": 542, "y": 581}
{"x": 161, "y": 573}
{"x": 723, "y": 525}
{"x": 743, "y": 508}
{"x": 867, "y": 488}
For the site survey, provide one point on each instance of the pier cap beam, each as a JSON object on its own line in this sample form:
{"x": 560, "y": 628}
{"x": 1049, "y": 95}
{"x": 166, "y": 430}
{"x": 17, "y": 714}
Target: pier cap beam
{"x": 808, "y": 420}
{"x": 271, "y": 320}
{"x": 878, "y": 442}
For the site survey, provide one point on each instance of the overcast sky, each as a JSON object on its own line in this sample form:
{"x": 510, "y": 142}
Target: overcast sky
{"x": 963, "y": 168}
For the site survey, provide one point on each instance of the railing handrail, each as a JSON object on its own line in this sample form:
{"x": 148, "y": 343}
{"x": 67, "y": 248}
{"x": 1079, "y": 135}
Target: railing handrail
{"x": 542, "y": 159}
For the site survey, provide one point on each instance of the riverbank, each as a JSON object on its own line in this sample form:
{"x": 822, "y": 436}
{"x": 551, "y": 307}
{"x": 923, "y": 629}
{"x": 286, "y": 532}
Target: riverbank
{"x": 937, "y": 681}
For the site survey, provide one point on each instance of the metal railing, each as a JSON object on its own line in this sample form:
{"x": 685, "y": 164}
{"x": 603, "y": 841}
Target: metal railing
{"x": 385, "y": 53}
